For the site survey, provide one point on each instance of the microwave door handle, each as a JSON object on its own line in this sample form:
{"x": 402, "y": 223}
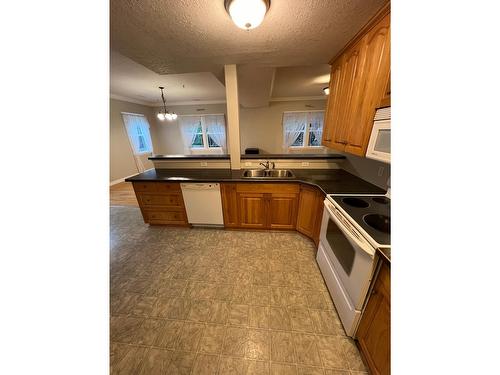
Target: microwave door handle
{"x": 361, "y": 244}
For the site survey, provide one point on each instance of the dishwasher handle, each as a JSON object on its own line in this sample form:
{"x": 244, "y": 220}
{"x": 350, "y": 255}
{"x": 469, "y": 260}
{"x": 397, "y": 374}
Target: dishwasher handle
{"x": 200, "y": 186}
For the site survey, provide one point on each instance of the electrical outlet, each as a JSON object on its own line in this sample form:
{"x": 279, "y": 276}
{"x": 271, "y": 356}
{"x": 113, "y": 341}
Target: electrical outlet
{"x": 305, "y": 164}
{"x": 204, "y": 163}
{"x": 380, "y": 171}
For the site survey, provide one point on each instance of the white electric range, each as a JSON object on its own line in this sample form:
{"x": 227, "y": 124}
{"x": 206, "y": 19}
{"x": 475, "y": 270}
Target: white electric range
{"x": 352, "y": 229}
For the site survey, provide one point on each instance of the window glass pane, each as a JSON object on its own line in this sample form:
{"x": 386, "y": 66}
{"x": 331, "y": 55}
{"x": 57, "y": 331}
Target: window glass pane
{"x": 142, "y": 143}
{"x": 199, "y": 130}
{"x": 299, "y": 141}
{"x": 138, "y": 131}
{"x": 302, "y": 129}
{"x": 315, "y": 138}
{"x": 212, "y": 142}
{"x": 198, "y": 141}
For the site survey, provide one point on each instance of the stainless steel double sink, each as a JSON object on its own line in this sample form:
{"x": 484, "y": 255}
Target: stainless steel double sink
{"x": 268, "y": 173}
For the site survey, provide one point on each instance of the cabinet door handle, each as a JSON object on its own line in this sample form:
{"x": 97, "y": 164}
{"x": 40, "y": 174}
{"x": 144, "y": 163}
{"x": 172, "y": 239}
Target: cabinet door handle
{"x": 328, "y": 140}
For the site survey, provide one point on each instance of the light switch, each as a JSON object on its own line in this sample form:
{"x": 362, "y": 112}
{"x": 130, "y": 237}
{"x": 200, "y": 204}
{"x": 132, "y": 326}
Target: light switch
{"x": 204, "y": 163}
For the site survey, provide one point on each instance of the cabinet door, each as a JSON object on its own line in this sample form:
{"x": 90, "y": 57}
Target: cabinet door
{"x": 374, "y": 332}
{"x": 373, "y": 76}
{"x": 386, "y": 99}
{"x": 252, "y": 210}
{"x": 345, "y": 78}
{"x": 307, "y": 214}
{"x": 229, "y": 205}
{"x": 282, "y": 212}
{"x": 331, "y": 126}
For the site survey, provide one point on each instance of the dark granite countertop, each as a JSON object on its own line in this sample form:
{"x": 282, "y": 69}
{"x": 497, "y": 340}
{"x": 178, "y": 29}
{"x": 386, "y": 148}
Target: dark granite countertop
{"x": 190, "y": 157}
{"x": 247, "y": 156}
{"x": 292, "y": 156}
{"x": 330, "y": 181}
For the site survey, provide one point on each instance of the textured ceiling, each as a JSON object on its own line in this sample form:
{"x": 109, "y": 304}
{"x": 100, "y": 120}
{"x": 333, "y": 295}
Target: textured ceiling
{"x": 300, "y": 81}
{"x": 186, "y": 36}
{"x": 256, "y": 85}
{"x": 130, "y": 80}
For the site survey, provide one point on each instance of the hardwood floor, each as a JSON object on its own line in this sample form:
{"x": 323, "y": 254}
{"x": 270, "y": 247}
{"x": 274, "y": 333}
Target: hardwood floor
{"x": 122, "y": 194}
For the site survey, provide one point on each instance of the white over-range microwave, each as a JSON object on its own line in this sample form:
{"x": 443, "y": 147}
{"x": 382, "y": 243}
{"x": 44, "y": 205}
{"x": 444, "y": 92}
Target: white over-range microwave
{"x": 379, "y": 147}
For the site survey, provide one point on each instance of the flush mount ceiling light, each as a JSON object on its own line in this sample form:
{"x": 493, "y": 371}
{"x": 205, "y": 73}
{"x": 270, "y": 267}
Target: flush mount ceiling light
{"x": 247, "y": 14}
{"x": 165, "y": 115}
{"x": 326, "y": 90}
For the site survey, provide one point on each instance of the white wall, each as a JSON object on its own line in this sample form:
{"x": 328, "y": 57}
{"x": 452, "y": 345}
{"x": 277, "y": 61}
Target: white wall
{"x": 121, "y": 158}
{"x": 259, "y": 127}
{"x": 262, "y": 127}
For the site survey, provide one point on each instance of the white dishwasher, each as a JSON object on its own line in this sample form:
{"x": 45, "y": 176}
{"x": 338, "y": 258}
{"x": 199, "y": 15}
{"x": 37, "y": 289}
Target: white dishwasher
{"x": 203, "y": 203}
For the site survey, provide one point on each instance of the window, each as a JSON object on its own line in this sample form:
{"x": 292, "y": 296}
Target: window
{"x": 203, "y": 133}
{"x": 137, "y": 127}
{"x": 302, "y": 129}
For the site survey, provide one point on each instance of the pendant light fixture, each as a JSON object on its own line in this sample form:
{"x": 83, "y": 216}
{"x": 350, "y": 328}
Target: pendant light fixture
{"x": 247, "y": 14}
{"x": 165, "y": 115}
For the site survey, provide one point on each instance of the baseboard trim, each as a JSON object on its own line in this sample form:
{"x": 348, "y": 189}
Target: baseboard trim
{"x": 123, "y": 179}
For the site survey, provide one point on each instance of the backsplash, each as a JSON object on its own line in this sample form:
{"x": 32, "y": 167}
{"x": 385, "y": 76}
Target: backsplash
{"x": 373, "y": 171}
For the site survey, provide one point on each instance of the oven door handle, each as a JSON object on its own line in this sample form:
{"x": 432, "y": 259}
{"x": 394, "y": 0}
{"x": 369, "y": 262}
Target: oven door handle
{"x": 363, "y": 244}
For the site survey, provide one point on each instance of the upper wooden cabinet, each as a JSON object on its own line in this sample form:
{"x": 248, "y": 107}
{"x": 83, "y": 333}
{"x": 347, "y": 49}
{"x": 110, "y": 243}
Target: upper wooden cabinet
{"x": 386, "y": 99}
{"x": 360, "y": 80}
{"x": 344, "y": 78}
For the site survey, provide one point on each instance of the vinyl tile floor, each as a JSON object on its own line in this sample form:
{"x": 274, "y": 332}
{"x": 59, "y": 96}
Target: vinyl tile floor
{"x": 212, "y": 301}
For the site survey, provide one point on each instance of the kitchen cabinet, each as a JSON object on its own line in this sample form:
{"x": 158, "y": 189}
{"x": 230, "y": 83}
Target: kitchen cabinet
{"x": 253, "y": 205}
{"x": 374, "y": 332}
{"x": 343, "y": 86}
{"x": 229, "y": 205}
{"x": 252, "y": 210}
{"x": 161, "y": 203}
{"x": 310, "y": 212}
{"x": 386, "y": 99}
{"x": 359, "y": 82}
{"x": 263, "y": 206}
{"x": 282, "y": 210}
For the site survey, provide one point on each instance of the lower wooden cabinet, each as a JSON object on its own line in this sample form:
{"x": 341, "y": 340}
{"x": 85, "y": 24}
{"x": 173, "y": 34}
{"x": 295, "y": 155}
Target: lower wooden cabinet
{"x": 161, "y": 202}
{"x": 281, "y": 206}
{"x": 253, "y": 212}
{"x": 165, "y": 217}
{"x": 229, "y": 205}
{"x": 259, "y": 205}
{"x": 254, "y": 205}
{"x": 282, "y": 210}
{"x": 374, "y": 332}
{"x": 310, "y": 212}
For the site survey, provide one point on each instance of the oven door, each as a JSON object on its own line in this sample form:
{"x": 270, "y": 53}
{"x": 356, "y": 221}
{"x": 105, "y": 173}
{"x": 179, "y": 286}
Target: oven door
{"x": 352, "y": 257}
